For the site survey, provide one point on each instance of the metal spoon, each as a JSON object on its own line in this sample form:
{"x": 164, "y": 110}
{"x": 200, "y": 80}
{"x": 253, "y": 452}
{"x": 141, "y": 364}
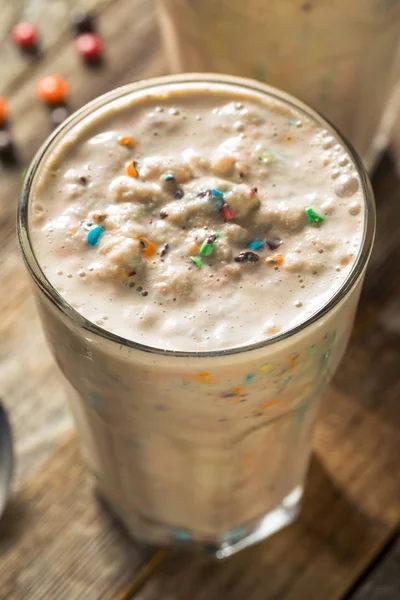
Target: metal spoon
{"x": 6, "y": 458}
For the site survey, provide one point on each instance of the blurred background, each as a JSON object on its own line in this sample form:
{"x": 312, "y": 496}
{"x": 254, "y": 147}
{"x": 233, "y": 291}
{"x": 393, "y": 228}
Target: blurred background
{"x": 341, "y": 57}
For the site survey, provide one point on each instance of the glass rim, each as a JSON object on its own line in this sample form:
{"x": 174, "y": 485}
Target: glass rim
{"x": 241, "y": 83}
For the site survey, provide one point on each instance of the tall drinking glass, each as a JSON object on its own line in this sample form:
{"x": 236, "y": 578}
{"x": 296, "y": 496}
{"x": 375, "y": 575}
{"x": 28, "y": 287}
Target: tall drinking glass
{"x": 206, "y": 448}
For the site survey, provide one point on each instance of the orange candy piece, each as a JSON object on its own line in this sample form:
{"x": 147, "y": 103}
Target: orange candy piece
{"x": 52, "y": 89}
{"x": 126, "y": 140}
{"x": 149, "y": 248}
{"x": 130, "y": 170}
{"x": 275, "y": 260}
{"x": 3, "y": 110}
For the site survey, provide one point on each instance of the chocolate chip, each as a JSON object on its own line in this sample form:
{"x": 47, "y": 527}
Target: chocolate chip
{"x": 179, "y": 193}
{"x": 58, "y": 115}
{"x": 165, "y": 250}
{"x": 211, "y": 239}
{"x": 203, "y": 194}
{"x": 273, "y": 242}
{"x": 84, "y": 23}
{"x": 163, "y": 214}
{"x": 145, "y": 293}
{"x": 247, "y": 257}
{"x": 131, "y": 273}
{"x": 7, "y": 151}
{"x": 83, "y": 180}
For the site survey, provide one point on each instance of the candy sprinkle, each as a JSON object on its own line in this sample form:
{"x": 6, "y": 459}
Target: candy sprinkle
{"x": 255, "y": 244}
{"x": 227, "y": 212}
{"x": 197, "y": 261}
{"x": 170, "y": 178}
{"x": 214, "y": 236}
{"x": 126, "y": 140}
{"x": 216, "y": 193}
{"x": 313, "y": 217}
{"x": 274, "y": 260}
{"x": 247, "y": 257}
{"x": 273, "y": 241}
{"x": 94, "y": 234}
{"x": 130, "y": 169}
{"x": 148, "y": 247}
{"x": 267, "y": 158}
{"x": 207, "y": 248}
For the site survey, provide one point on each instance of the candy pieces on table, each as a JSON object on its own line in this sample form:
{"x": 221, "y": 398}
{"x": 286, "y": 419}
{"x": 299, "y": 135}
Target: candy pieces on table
{"x": 83, "y": 23}
{"x": 58, "y": 115}
{"x": 90, "y": 47}
{"x": 7, "y": 149}
{"x": 3, "y": 112}
{"x": 26, "y": 36}
{"x": 53, "y": 90}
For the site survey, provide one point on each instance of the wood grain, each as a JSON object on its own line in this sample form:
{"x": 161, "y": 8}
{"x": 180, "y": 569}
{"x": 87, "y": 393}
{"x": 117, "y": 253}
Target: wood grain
{"x": 57, "y": 542}
{"x": 383, "y": 583}
{"x": 30, "y": 386}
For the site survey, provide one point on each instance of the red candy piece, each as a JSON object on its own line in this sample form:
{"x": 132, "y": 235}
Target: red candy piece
{"x": 52, "y": 89}
{"x": 89, "y": 46}
{"x": 227, "y": 212}
{"x": 3, "y": 110}
{"x": 25, "y": 35}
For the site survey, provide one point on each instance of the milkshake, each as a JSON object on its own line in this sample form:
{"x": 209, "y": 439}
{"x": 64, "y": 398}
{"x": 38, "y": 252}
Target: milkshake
{"x": 198, "y": 245}
{"x": 342, "y": 58}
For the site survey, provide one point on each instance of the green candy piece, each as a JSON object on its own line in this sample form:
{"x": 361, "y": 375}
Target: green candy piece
{"x": 197, "y": 261}
{"x": 267, "y": 157}
{"x": 313, "y": 217}
{"x": 206, "y": 249}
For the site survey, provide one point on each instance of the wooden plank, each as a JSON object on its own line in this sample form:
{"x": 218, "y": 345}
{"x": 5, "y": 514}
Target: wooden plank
{"x": 54, "y": 22}
{"x": 351, "y": 505}
{"x": 383, "y": 583}
{"x": 57, "y": 542}
{"x": 28, "y": 384}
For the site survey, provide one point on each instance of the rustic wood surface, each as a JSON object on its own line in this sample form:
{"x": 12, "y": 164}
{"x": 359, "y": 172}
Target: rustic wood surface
{"x": 55, "y": 540}
{"x": 383, "y": 583}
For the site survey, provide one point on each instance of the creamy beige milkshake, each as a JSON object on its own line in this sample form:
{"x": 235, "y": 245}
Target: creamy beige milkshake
{"x": 201, "y": 244}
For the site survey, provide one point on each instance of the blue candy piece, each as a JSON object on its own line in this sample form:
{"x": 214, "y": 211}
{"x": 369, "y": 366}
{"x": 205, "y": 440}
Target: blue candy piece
{"x": 255, "y": 244}
{"x": 250, "y": 377}
{"x": 217, "y": 193}
{"x": 94, "y": 234}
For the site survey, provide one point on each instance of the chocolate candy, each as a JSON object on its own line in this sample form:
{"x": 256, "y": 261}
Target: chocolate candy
{"x": 89, "y": 46}
{"x": 58, "y": 115}
{"x": 247, "y": 257}
{"x": 7, "y": 151}
{"x": 3, "y": 111}
{"x": 52, "y": 89}
{"x": 83, "y": 23}
{"x": 25, "y": 35}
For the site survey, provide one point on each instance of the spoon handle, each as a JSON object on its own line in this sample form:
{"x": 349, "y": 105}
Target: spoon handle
{"x": 6, "y": 457}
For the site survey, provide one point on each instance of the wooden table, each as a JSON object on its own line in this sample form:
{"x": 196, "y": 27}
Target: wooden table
{"x": 56, "y": 540}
